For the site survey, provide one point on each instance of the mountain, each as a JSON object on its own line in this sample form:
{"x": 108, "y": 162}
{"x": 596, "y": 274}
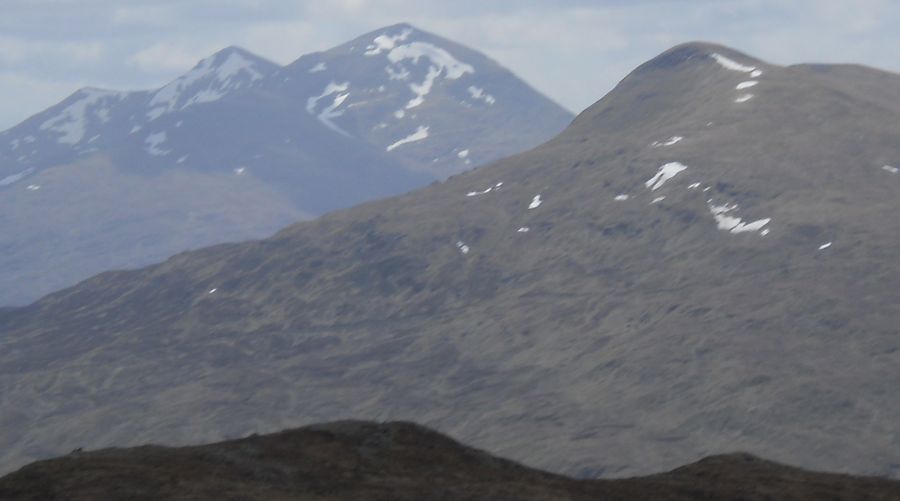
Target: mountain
{"x": 702, "y": 262}
{"x": 437, "y": 106}
{"x": 364, "y": 460}
{"x": 240, "y": 147}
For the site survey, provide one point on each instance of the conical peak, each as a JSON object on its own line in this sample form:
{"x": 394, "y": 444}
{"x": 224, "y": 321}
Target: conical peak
{"x": 231, "y": 55}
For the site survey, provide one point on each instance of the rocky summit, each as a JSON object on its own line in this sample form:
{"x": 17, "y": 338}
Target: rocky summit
{"x": 239, "y": 147}
{"x": 703, "y": 262}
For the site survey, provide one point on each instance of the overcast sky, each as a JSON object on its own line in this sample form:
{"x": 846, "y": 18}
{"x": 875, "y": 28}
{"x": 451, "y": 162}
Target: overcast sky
{"x": 572, "y": 50}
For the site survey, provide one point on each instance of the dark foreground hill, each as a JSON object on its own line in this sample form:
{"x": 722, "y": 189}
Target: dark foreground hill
{"x": 355, "y": 460}
{"x": 705, "y": 261}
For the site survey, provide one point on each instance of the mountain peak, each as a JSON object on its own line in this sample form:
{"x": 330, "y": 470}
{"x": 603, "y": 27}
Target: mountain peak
{"x": 232, "y": 51}
{"x": 229, "y": 69}
{"x": 399, "y": 26}
{"x": 702, "y": 51}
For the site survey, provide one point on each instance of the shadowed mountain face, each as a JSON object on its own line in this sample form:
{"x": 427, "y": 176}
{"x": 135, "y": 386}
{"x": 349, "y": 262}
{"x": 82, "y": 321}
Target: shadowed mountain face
{"x": 240, "y": 147}
{"x": 704, "y": 261}
{"x": 360, "y": 460}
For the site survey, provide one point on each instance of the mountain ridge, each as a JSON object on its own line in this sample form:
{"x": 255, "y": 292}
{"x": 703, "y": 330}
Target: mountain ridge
{"x": 277, "y": 128}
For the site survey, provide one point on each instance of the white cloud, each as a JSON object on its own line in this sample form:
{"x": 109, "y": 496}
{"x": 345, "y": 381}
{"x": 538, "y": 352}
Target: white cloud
{"x": 284, "y": 42}
{"x": 13, "y": 50}
{"x": 143, "y": 15}
{"x": 80, "y": 52}
{"x": 17, "y": 50}
{"x": 167, "y": 57}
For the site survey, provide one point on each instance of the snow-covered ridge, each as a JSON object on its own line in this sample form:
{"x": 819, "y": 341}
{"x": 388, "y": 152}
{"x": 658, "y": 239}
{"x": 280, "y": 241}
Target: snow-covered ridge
{"x": 209, "y": 81}
{"x": 72, "y": 121}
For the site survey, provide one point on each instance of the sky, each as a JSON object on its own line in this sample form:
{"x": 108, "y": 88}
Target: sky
{"x": 574, "y": 51}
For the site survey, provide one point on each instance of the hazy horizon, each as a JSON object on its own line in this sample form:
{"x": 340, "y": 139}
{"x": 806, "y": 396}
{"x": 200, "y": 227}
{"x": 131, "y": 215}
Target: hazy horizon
{"x": 573, "y": 51}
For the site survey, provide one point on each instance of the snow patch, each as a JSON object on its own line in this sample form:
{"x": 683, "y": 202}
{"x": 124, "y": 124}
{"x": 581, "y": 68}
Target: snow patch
{"x": 668, "y": 142}
{"x": 33, "y": 187}
{"x": 535, "y": 202}
{"x": 621, "y": 198}
{"x": 134, "y": 129}
{"x": 744, "y": 98}
{"x": 523, "y": 229}
{"x": 330, "y": 112}
{"x": 438, "y": 57}
{"x": 731, "y": 64}
{"x": 71, "y": 122}
{"x": 213, "y": 290}
{"x": 423, "y": 89}
{"x": 693, "y": 186}
{"x": 385, "y": 42}
{"x": 235, "y": 64}
{"x": 420, "y": 134}
{"x": 240, "y": 171}
{"x": 153, "y": 142}
{"x": 756, "y": 73}
{"x": 8, "y": 180}
{"x": 825, "y": 246}
{"x": 317, "y": 68}
{"x": 657, "y": 200}
{"x": 394, "y": 74}
{"x": 181, "y": 159}
{"x": 891, "y": 169}
{"x": 399, "y": 114}
{"x": 478, "y": 93}
{"x": 486, "y": 191}
{"x": 734, "y": 224}
{"x": 746, "y": 85}
{"x": 462, "y": 247}
{"x": 103, "y": 115}
{"x": 666, "y": 172}
{"x": 442, "y": 63}
{"x": 463, "y": 153}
